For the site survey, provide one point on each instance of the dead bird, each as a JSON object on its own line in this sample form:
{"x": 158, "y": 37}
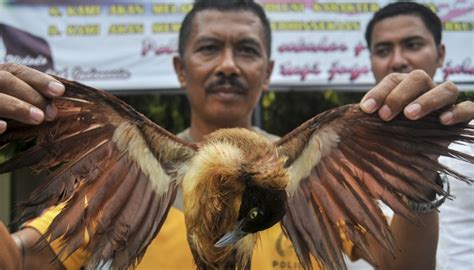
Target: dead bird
{"x": 117, "y": 174}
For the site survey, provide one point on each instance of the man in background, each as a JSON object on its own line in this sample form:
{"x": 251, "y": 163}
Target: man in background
{"x": 403, "y": 37}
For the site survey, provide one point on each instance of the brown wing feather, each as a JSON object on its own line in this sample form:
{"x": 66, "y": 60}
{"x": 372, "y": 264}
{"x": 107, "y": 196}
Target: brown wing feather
{"x": 114, "y": 170}
{"x": 357, "y": 159}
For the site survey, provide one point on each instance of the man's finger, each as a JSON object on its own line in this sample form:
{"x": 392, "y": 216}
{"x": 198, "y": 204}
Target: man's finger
{"x": 41, "y": 82}
{"x": 16, "y": 109}
{"x": 440, "y": 96}
{"x": 3, "y": 126}
{"x": 462, "y": 112}
{"x": 375, "y": 98}
{"x": 12, "y": 86}
{"x": 417, "y": 83}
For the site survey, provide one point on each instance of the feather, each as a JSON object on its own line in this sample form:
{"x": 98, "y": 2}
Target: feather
{"x": 370, "y": 160}
{"x": 114, "y": 170}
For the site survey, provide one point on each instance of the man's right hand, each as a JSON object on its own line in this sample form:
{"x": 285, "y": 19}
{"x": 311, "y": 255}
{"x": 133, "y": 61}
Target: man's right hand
{"x": 9, "y": 250}
{"x": 25, "y": 95}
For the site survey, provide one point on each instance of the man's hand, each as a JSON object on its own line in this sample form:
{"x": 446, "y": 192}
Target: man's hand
{"x": 25, "y": 95}
{"x": 9, "y": 250}
{"x": 417, "y": 95}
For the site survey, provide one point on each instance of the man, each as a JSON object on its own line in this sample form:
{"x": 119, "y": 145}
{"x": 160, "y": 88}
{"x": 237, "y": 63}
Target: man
{"x": 402, "y": 37}
{"x": 224, "y": 65}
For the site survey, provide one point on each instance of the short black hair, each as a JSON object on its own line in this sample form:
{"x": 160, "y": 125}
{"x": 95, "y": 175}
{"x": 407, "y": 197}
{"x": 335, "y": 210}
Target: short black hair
{"x": 223, "y": 5}
{"x": 429, "y": 18}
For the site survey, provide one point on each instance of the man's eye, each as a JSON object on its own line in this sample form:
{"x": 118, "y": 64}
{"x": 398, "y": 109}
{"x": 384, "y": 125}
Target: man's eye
{"x": 414, "y": 45}
{"x": 382, "y": 52}
{"x": 208, "y": 48}
{"x": 247, "y": 50}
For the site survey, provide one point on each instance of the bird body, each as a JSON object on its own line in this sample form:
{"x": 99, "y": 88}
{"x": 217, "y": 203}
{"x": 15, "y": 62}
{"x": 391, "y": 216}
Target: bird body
{"x": 117, "y": 173}
{"x": 229, "y": 162}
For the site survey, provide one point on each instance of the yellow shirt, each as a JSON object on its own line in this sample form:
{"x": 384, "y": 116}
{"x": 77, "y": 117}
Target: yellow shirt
{"x": 170, "y": 250}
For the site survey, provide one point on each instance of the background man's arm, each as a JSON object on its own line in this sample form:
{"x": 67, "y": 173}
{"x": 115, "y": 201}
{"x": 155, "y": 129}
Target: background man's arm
{"x": 415, "y": 245}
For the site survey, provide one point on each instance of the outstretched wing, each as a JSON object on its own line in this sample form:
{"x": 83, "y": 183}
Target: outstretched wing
{"x": 353, "y": 159}
{"x": 113, "y": 169}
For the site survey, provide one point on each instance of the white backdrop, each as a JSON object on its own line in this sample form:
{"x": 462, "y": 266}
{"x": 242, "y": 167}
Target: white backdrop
{"x": 117, "y": 45}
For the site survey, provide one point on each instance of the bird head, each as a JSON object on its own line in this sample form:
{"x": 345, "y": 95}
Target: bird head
{"x": 260, "y": 209}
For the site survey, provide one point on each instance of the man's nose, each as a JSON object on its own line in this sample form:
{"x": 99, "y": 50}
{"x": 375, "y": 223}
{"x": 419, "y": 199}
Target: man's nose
{"x": 227, "y": 65}
{"x": 399, "y": 62}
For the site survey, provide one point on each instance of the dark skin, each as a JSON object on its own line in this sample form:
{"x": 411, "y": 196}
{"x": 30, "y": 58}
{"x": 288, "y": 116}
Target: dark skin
{"x": 230, "y": 54}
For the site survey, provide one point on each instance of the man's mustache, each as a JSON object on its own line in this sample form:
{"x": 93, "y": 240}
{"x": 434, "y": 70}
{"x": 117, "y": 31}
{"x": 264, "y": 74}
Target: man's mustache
{"x": 227, "y": 81}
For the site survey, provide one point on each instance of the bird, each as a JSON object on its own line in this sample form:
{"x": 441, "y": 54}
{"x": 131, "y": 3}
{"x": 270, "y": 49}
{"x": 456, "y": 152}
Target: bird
{"x": 117, "y": 173}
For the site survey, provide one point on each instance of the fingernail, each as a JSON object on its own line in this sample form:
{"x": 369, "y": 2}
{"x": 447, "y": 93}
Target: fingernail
{"x": 3, "y": 126}
{"x": 56, "y": 88}
{"x": 413, "y": 110}
{"x": 385, "y": 112}
{"x": 447, "y": 118}
{"x": 36, "y": 114}
{"x": 369, "y": 105}
{"x": 51, "y": 112}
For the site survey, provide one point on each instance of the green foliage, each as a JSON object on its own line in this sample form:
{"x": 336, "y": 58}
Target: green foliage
{"x": 169, "y": 111}
{"x": 466, "y": 95}
{"x": 284, "y": 111}
{"x": 3, "y": 156}
{"x": 281, "y": 111}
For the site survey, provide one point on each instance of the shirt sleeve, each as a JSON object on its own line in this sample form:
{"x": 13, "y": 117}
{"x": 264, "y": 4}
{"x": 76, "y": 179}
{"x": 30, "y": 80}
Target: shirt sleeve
{"x": 41, "y": 224}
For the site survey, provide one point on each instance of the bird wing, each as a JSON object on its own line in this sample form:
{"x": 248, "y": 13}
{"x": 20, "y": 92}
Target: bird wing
{"x": 113, "y": 169}
{"x": 353, "y": 159}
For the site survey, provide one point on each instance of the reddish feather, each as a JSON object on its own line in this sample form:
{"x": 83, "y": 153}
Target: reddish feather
{"x": 373, "y": 160}
{"x": 77, "y": 147}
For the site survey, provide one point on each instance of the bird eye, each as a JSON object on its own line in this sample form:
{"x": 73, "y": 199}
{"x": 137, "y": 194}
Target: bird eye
{"x": 253, "y": 213}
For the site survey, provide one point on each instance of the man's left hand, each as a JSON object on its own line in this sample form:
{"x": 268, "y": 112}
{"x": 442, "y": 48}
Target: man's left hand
{"x": 416, "y": 95}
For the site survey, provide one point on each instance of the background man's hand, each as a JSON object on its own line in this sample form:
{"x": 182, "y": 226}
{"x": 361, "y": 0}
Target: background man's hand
{"x": 416, "y": 95}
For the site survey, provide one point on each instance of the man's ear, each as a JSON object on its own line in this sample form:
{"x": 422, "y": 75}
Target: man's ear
{"x": 441, "y": 54}
{"x": 268, "y": 75}
{"x": 179, "y": 69}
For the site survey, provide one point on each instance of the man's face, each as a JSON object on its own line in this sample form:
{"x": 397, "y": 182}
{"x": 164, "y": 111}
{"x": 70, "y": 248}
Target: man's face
{"x": 225, "y": 66}
{"x": 401, "y": 44}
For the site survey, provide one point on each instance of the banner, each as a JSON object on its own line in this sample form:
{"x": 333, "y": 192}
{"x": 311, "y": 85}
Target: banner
{"x": 129, "y": 45}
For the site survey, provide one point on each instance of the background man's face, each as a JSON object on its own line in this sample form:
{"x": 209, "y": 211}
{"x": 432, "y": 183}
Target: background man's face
{"x": 225, "y": 45}
{"x": 401, "y": 44}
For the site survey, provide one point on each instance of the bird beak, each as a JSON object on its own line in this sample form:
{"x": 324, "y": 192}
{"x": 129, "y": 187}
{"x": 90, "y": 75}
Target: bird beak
{"x": 231, "y": 237}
